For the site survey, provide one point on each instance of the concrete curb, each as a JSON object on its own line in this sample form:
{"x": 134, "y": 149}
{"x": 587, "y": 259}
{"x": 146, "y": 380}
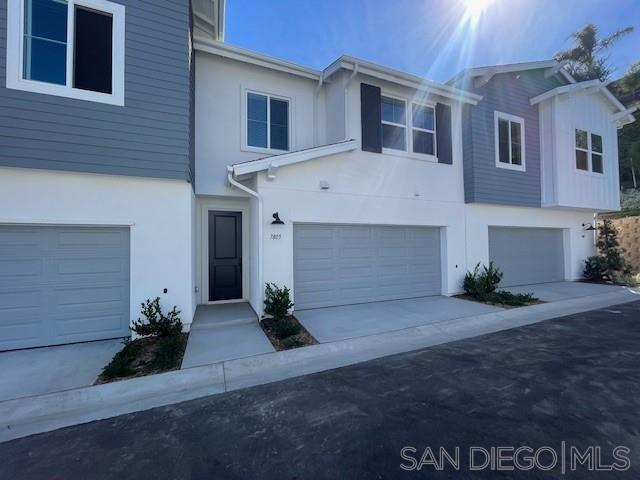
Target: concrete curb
{"x": 30, "y": 415}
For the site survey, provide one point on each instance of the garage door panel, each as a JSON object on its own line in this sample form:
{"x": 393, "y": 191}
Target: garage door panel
{"x": 63, "y": 284}
{"x": 527, "y": 255}
{"x": 364, "y": 263}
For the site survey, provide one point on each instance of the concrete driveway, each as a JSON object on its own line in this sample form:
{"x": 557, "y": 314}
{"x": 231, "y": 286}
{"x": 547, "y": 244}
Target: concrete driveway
{"x": 573, "y": 379}
{"x": 36, "y": 371}
{"x": 350, "y": 321}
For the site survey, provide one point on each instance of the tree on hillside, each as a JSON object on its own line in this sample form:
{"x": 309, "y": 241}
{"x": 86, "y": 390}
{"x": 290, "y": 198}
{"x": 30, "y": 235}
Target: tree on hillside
{"x": 628, "y": 90}
{"x": 587, "y": 59}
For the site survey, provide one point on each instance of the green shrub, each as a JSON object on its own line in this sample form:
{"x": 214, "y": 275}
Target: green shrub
{"x": 285, "y": 327}
{"x": 121, "y": 364}
{"x": 595, "y": 268}
{"x": 481, "y": 282}
{"x": 169, "y": 353}
{"x": 504, "y": 297}
{"x": 277, "y": 301}
{"x": 157, "y": 323}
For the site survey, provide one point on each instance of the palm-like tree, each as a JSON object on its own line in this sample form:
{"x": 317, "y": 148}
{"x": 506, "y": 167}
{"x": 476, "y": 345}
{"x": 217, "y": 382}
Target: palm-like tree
{"x": 587, "y": 59}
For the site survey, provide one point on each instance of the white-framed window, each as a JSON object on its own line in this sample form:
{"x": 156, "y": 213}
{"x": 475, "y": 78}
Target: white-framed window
{"x": 423, "y": 129}
{"x": 67, "y": 48}
{"x": 588, "y": 146}
{"x": 394, "y": 123}
{"x": 267, "y": 121}
{"x": 509, "y": 141}
{"x": 412, "y": 132}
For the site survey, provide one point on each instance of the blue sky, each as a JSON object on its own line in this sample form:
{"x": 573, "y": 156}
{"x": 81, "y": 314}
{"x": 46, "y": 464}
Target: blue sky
{"x": 425, "y": 37}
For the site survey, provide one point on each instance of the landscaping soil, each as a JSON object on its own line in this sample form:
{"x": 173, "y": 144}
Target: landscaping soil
{"x": 466, "y": 296}
{"x": 302, "y": 339}
{"x": 144, "y": 360}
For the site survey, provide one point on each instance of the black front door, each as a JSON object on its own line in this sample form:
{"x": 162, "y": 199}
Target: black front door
{"x": 225, "y": 255}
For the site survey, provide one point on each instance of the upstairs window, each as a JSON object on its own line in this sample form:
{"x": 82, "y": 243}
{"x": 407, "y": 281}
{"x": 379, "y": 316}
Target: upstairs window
{"x": 71, "y": 48}
{"x": 394, "y": 123}
{"x": 423, "y": 128}
{"x": 509, "y": 141}
{"x": 589, "y": 151}
{"x": 267, "y": 122}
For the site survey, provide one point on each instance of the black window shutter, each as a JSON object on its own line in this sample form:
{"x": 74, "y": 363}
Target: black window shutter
{"x": 443, "y": 133}
{"x": 371, "y": 118}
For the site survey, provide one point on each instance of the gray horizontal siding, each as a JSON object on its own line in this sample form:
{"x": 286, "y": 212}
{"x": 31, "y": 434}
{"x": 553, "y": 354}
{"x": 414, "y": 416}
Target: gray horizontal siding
{"x": 484, "y": 181}
{"x": 150, "y": 136}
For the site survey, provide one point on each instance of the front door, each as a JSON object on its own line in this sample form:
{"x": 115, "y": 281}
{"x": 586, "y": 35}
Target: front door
{"x": 225, "y": 255}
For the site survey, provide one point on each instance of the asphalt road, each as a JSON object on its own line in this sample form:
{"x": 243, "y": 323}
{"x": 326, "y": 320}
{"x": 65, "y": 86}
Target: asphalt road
{"x": 563, "y": 383}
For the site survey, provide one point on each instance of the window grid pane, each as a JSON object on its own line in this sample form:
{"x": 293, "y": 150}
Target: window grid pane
{"x": 45, "y": 41}
{"x": 596, "y": 163}
{"x": 393, "y": 111}
{"x": 279, "y": 118}
{"x": 503, "y": 140}
{"x": 423, "y": 142}
{"x": 582, "y": 162}
{"x": 423, "y": 117}
{"x": 92, "y": 68}
{"x": 596, "y": 143}
{"x": 257, "y": 128}
{"x": 516, "y": 143}
{"x": 582, "y": 139}
{"x": 393, "y": 137}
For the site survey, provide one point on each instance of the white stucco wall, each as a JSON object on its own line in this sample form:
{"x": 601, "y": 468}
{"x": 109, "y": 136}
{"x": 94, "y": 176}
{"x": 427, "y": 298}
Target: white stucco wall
{"x": 221, "y": 86}
{"x": 158, "y": 213}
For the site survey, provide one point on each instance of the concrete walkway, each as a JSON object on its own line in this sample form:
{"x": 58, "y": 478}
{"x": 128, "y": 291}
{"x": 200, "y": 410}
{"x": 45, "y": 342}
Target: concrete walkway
{"x": 224, "y": 332}
{"x": 36, "y": 371}
{"x": 26, "y": 416}
{"x": 556, "y": 291}
{"x": 351, "y": 321}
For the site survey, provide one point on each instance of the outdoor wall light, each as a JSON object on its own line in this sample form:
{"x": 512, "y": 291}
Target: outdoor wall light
{"x": 276, "y": 219}
{"x": 589, "y": 227}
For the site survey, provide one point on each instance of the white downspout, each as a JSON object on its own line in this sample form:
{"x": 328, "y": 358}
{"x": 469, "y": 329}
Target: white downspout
{"x": 255, "y": 194}
{"x": 315, "y": 109}
{"x": 356, "y": 67}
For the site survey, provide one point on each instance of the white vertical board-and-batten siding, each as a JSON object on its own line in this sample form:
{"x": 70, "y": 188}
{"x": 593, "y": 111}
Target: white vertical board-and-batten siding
{"x": 158, "y": 213}
{"x": 564, "y": 185}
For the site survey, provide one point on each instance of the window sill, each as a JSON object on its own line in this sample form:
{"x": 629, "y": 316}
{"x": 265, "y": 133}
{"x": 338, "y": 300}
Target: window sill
{"x": 116, "y": 98}
{"x": 409, "y": 155}
{"x": 266, "y": 151}
{"x": 588, "y": 173}
{"x": 516, "y": 168}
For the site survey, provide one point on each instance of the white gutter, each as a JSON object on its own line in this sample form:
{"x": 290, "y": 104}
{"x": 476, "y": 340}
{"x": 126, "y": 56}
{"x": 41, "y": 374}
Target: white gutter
{"x": 356, "y": 68}
{"x": 255, "y": 194}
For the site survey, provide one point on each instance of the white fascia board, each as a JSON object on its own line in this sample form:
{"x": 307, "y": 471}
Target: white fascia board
{"x": 401, "y": 78}
{"x": 294, "y": 157}
{"x": 240, "y": 54}
{"x": 491, "y": 70}
{"x": 574, "y": 87}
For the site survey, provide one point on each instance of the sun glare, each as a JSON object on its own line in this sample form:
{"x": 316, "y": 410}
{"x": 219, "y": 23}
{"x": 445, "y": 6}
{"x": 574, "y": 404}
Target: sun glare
{"x": 475, "y": 8}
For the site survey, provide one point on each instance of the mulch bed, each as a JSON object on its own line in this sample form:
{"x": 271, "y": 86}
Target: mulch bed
{"x": 145, "y": 356}
{"x": 301, "y": 339}
{"x": 466, "y": 296}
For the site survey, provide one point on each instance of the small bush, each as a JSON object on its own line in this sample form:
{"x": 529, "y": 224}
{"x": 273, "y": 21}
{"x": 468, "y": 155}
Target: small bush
{"x": 285, "y": 327}
{"x": 121, "y": 364}
{"x": 504, "y": 297}
{"x": 169, "y": 353}
{"x": 595, "y": 268}
{"x": 157, "y": 323}
{"x": 627, "y": 279}
{"x": 481, "y": 282}
{"x": 277, "y": 301}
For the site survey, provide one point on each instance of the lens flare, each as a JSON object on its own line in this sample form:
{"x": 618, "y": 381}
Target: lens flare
{"x": 475, "y": 8}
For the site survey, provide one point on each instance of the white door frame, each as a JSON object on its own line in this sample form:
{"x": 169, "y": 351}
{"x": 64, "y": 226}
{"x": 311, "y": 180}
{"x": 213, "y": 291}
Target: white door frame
{"x": 222, "y": 205}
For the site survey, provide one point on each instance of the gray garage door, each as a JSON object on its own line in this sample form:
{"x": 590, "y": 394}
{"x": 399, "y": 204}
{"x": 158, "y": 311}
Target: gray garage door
{"x": 62, "y": 285}
{"x": 348, "y": 264}
{"x": 527, "y": 255}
